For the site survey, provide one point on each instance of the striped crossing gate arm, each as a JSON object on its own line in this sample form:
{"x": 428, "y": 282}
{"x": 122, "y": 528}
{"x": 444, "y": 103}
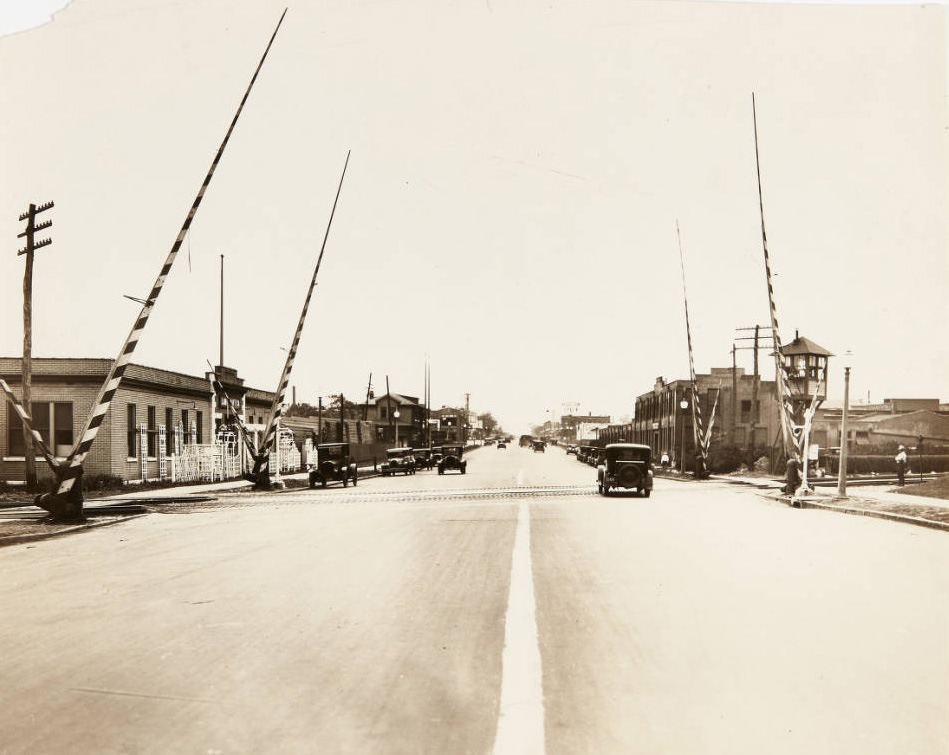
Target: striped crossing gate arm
{"x": 72, "y": 468}
{"x": 698, "y": 434}
{"x": 262, "y": 459}
{"x": 707, "y": 442}
{"x": 28, "y": 423}
{"x": 791, "y": 442}
{"x": 241, "y": 427}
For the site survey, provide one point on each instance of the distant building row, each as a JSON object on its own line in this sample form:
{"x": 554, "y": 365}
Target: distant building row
{"x": 159, "y": 414}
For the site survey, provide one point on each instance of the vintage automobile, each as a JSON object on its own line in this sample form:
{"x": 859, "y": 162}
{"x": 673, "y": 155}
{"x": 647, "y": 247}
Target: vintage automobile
{"x": 625, "y": 465}
{"x": 539, "y": 445}
{"x": 398, "y": 461}
{"x": 436, "y": 455}
{"x": 423, "y": 458}
{"x": 502, "y": 444}
{"x": 452, "y": 459}
{"x": 572, "y": 450}
{"x": 333, "y": 464}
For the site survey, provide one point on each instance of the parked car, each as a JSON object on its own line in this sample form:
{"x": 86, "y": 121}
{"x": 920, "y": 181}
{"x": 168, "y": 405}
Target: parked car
{"x": 625, "y": 465}
{"x": 398, "y": 461}
{"x": 436, "y": 455}
{"x": 423, "y": 458}
{"x": 452, "y": 459}
{"x": 333, "y": 464}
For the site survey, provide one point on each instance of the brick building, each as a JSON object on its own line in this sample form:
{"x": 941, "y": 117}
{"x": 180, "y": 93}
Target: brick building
{"x": 892, "y": 422}
{"x": 154, "y": 415}
{"x": 746, "y": 413}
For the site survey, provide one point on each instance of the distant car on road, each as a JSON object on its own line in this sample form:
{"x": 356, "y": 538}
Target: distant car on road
{"x": 452, "y": 459}
{"x": 539, "y": 445}
{"x": 333, "y": 464}
{"x": 625, "y": 465}
{"x": 398, "y": 461}
{"x": 501, "y": 444}
{"x": 572, "y": 450}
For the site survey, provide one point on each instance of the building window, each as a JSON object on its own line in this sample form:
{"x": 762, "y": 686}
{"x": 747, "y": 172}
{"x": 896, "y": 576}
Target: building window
{"x": 152, "y": 432}
{"x": 131, "y": 420}
{"x": 62, "y": 425}
{"x": 52, "y": 420}
{"x": 200, "y": 427}
{"x": 14, "y": 432}
{"x": 169, "y": 431}
{"x": 186, "y": 426}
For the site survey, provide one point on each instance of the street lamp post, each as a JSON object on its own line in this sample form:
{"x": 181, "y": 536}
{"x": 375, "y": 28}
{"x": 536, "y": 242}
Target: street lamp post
{"x": 396, "y": 415}
{"x": 842, "y": 472}
{"x": 683, "y": 405}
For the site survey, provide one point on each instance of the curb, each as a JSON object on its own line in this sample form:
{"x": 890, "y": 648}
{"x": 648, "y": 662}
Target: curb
{"x": 18, "y": 539}
{"x": 888, "y": 515}
{"x": 805, "y": 503}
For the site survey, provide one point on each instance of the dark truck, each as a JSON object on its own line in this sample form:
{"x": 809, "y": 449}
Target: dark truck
{"x": 333, "y": 464}
{"x": 625, "y": 465}
{"x": 398, "y": 461}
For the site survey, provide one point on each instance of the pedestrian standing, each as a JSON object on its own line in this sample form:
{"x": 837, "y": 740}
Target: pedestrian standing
{"x": 792, "y": 474}
{"x": 901, "y": 461}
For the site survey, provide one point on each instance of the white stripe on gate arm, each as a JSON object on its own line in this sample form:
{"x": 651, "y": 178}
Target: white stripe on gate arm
{"x": 521, "y": 720}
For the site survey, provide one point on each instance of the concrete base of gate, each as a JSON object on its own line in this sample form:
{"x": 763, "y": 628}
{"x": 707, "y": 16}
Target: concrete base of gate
{"x": 63, "y": 508}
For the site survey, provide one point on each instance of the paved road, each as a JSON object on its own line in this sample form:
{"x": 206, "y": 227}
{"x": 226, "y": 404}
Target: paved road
{"x": 509, "y": 610}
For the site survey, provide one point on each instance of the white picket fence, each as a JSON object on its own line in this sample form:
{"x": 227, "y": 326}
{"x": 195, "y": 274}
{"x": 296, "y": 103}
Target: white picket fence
{"x": 210, "y": 462}
{"x": 290, "y": 459}
{"x": 207, "y": 462}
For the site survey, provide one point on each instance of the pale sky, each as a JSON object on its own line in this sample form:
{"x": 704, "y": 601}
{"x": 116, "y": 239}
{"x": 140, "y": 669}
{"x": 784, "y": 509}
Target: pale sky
{"x": 509, "y": 210}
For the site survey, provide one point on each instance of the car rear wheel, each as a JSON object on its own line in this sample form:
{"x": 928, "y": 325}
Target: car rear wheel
{"x": 645, "y": 493}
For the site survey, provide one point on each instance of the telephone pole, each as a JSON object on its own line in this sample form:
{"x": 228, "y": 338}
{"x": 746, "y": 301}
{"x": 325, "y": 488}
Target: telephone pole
{"x": 467, "y": 415}
{"x": 755, "y": 415}
{"x": 31, "y": 246}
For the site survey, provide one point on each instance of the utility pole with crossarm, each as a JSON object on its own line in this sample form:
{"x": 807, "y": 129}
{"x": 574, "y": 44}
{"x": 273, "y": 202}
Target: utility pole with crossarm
{"x": 31, "y": 246}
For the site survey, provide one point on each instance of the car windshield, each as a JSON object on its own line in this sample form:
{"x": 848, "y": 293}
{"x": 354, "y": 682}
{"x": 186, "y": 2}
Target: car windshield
{"x": 452, "y": 449}
{"x": 629, "y": 454}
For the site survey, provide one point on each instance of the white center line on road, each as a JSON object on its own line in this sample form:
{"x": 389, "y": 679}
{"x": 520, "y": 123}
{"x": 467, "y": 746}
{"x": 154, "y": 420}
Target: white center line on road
{"x": 521, "y": 720}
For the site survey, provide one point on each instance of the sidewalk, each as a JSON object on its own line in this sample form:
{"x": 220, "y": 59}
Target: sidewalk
{"x": 881, "y": 501}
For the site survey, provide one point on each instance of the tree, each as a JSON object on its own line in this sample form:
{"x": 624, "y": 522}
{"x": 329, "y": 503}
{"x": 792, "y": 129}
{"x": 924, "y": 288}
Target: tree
{"x": 488, "y": 422}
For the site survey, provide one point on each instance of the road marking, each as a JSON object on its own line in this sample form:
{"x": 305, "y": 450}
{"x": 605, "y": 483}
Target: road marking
{"x": 521, "y": 721}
